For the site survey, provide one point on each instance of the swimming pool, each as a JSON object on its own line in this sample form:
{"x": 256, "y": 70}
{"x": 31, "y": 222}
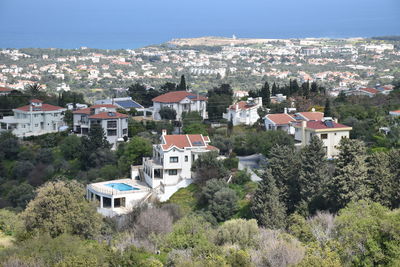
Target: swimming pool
{"x": 121, "y": 186}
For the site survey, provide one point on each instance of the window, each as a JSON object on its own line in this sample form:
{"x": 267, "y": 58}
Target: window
{"x": 36, "y": 125}
{"x": 172, "y": 172}
{"x": 324, "y": 136}
{"x": 186, "y": 158}
{"x": 111, "y": 124}
{"x": 124, "y": 131}
{"x": 111, "y": 132}
{"x": 55, "y": 114}
{"x": 173, "y": 159}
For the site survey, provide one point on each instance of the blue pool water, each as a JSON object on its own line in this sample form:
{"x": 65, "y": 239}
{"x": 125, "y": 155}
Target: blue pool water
{"x": 121, "y": 186}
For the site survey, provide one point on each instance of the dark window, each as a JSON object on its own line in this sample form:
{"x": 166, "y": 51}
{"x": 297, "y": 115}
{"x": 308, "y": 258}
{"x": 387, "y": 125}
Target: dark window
{"x": 186, "y": 158}
{"x": 173, "y": 159}
{"x": 111, "y": 132}
{"x": 111, "y": 124}
{"x": 324, "y": 136}
{"x": 172, "y": 172}
{"x": 124, "y": 131}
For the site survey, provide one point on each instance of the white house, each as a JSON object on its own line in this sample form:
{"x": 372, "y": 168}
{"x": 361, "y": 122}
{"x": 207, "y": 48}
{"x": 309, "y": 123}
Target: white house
{"x": 280, "y": 121}
{"x": 36, "y": 118}
{"x": 394, "y": 113}
{"x": 160, "y": 176}
{"x": 180, "y": 101}
{"x": 328, "y": 130}
{"x": 370, "y": 92}
{"x": 244, "y": 112}
{"x": 114, "y": 124}
{"x": 122, "y": 102}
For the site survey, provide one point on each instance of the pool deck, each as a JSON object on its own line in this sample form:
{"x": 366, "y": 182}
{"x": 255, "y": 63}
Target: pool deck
{"x": 102, "y": 188}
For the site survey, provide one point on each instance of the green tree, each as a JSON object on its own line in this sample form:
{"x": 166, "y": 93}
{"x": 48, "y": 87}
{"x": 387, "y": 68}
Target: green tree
{"x": 350, "y": 180}
{"x": 266, "y": 206}
{"x": 238, "y": 231}
{"x": 394, "y": 163}
{"x": 327, "y": 109}
{"x": 182, "y": 85}
{"x": 368, "y": 234}
{"x": 224, "y": 204}
{"x": 60, "y": 207}
{"x": 71, "y": 147}
{"x": 167, "y": 113}
{"x": 133, "y": 152}
{"x": 207, "y": 167}
{"x": 285, "y": 170}
{"x": 313, "y": 175}
{"x": 274, "y": 89}
{"x": 382, "y": 178}
{"x": 305, "y": 87}
{"x": 195, "y": 128}
{"x": 266, "y": 94}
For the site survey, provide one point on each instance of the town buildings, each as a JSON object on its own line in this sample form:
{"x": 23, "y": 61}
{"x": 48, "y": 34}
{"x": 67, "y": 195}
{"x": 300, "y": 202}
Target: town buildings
{"x": 244, "y": 112}
{"x": 180, "y": 101}
{"x": 114, "y": 124}
{"x": 37, "y": 118}
{"x": 168, "y": 170}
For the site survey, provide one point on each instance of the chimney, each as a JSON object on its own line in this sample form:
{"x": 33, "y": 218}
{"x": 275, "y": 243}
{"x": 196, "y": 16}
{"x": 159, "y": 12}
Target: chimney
{"x": 163, "y": 132}
{"x": 335, "y": 120}
{"x": 237, "y": 106}
{"x": 313, "y": 109}
{"x": 285, "y": 110}
{"x": 303, "y": 133}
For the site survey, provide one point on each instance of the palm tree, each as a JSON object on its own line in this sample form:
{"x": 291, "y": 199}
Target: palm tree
{"x": 33, "y": 90}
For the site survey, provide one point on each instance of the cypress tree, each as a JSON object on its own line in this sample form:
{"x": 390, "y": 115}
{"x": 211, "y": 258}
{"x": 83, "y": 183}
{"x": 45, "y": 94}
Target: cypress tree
{"x": 314, "y": 87}
{"x": 305, "y": 87}
{"x": 313, "y": 174}
{"x": 266, "y": 94}
{"x": 268, "y": 209}
{"x": 182, "y": 84}
{"x": 394, "y": 163}
{"x": 382, "y": 178}
{"x": 350, "y": 180}
{"x": 274, "y": 89}
{"x": 284, "y": 165}
{"x": 327, "y": 109}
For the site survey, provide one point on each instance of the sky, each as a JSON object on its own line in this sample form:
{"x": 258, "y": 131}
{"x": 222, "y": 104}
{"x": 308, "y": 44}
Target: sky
{"x": 133, "y": 23}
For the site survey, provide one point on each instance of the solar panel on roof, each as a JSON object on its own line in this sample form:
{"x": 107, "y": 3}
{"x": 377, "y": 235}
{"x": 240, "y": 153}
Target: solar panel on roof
{"x": 197, "y": 143}
{"x": 329, "y": 124}
{"x": 128, "y": 104}
{"x": 191, "y": 96}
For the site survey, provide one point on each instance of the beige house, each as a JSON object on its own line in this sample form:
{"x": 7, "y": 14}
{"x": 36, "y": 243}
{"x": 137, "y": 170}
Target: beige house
{"x": 328, "y": 130}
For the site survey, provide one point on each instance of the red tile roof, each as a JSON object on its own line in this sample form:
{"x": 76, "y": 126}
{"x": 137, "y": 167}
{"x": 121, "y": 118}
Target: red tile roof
{"x": 318, "y": 125}
{"x": 186, "y": 140}
{"x": 241, "y": 105}
{"x": 395, "y": 111}
{"x": 177, "y": 96}
{"x": 312, "y": 116}
{"x": 280, "y": 119}
{"x": 108, "y": 115}
{"x": 82, "y": 111}
{"x": 369, "y": 90}
{"x": 4, "y": 89}
{"x": 44, "y": 107}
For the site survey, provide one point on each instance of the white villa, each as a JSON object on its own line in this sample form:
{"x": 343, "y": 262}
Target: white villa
{"x": 36, "y": 118}
{"x": 180, "y": 101}
{"x": 280, "y": 121}
{"x": 327, "y": 129}
{"x": 160, "y": 176}
{"x": 244, "y": 112}
{"x": 114, "y": 124}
